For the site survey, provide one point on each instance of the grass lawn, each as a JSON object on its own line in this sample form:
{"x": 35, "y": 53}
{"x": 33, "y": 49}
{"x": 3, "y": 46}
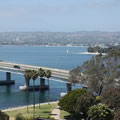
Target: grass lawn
{"x": 44, "y": 111}
{"x": 64, "y": 115}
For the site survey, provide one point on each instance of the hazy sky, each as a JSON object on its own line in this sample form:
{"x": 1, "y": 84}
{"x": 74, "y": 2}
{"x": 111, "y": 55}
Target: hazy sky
{"x": 59, "y": 15}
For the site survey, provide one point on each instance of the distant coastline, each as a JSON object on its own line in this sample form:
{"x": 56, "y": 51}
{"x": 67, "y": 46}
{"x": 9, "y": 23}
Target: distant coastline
{"x": 45, "y": 45}
{"x": 81, "y": 38}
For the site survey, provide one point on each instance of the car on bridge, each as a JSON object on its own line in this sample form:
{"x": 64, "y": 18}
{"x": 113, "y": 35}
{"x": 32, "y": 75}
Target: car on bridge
{"x": 16, "y": 66}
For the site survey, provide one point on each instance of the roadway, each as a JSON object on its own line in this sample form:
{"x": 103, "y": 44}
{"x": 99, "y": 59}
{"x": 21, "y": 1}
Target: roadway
{"x": 56, "y": 73}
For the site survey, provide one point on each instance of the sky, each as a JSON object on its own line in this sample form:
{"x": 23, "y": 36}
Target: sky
{"x": 59, "y": 15}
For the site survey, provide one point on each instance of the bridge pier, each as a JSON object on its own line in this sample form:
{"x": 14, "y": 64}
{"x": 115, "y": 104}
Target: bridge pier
{"x": 69, "y": 87}
{"x": 27, "y": 86}
{"x": 27, "y": 83}
{"x": 8, "y": 76}
{"x": 8, "y": 80}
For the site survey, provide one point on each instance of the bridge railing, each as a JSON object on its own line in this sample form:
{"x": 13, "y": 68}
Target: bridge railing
{"x": 55, "y": 72}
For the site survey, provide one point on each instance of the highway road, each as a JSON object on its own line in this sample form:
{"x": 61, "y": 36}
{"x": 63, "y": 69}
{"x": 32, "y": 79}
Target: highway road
{"x": 20, "y": 68}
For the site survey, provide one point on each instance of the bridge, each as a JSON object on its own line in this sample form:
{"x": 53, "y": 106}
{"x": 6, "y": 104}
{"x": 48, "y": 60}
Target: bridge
{"x": 58, "y": 74}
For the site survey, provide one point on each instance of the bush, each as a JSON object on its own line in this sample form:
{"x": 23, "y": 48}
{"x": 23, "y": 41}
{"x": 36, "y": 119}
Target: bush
{"x": 111, "y": 98}
{"x": 100, "y": 112}
{"x": 68, "y": 102}
{"x": 49, "y": 118}
{"x": 19, "y": 117}
{"x": 3, "y": 116}
{"x": 117, "y": 115}
{"x": 84, "y": 102}
{"x": 98, "y": 99}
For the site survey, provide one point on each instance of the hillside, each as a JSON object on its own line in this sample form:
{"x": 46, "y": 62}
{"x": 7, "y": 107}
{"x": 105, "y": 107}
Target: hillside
{"x": 59, "y": 38}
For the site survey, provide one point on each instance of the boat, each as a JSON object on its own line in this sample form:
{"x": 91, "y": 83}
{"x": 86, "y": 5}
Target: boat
{"x": 67, "y": 51}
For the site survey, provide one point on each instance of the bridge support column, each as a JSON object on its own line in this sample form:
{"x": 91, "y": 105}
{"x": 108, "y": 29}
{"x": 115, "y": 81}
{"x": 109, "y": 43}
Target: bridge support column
{"x": 69, "y": 87}
{"x": 27, "y": 83}
{"x": 8, "y": 76}
{"x": 8, "y": 80}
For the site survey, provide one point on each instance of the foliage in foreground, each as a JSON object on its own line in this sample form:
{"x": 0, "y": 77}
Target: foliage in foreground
{"x": 88, "y": 106}
{"x": 3, "y": 116}
{"x": 68, "y": 102}
{"x": 101, "y": 75}
{"x": 100, "y": 112}
{"x": 19, "y": 117}
{"x": 111, "y": 98}
{"x": 77, "y": 102}
{"x": 83, "y": 103}
{"x": 117, "y": 115}
{"x": 98, "y": 99}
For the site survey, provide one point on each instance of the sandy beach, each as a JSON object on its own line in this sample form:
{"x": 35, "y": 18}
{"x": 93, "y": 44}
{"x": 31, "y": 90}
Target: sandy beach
{"x": 91, "y": 53}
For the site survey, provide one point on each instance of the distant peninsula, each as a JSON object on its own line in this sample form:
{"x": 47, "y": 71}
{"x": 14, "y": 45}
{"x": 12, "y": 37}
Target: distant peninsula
{"x": 98, "y": 49}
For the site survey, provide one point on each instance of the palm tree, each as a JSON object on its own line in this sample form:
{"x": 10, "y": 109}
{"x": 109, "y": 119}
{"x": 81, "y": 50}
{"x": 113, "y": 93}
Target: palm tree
{"x": 41, "y": 73}
{"x": 48, "y": 74}
{"x": 27, "y": 75}
{"x": 34, "y": 76}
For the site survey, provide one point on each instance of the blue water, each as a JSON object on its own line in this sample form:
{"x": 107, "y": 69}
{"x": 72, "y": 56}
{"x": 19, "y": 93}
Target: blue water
{"x": 55, "y": 57}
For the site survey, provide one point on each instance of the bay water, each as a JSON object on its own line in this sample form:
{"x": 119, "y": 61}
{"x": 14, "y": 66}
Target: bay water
{"x": 65, "y": 58}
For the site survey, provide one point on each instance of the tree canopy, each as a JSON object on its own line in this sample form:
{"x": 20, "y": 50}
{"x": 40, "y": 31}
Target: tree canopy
{"x": 100, "y": 112}
{"x": 111, "y": 97}
{"x": 68, "y": 102}
{"x": 83, "y": 103}
{"x": 98, "y": 73}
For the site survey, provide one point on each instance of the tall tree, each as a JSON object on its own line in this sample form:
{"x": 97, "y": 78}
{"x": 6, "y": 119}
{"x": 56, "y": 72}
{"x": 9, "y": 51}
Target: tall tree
{"x": 112, "y": 64}
{"x": 27, "y": 75}
{"x": 98, "y": 73}
{"x": 41, "y": 74}
{"x": 111, "y": 97}
{"x": 48, "y": 74}
{"x": 83, "y": 103}
{"x": 34, "y": 76}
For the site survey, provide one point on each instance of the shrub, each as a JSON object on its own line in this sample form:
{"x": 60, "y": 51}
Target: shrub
{"x": 19, "y": 117}
{"x": 117, "y": 115}
{"x": 111, "y": 98}
{"x": 49, "y": 118}
{"x": 83, "y": 103}
{"x": 100, "y": 112}
{"x": 98, "y": 99}
{"x": 3, "y": 116}
{"x": 68, "y": 102}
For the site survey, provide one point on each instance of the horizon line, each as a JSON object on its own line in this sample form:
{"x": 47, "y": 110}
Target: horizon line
{"x": 59, "y": 31}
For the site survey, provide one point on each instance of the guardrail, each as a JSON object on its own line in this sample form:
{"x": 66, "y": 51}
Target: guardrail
{"x": 58, "y": 73}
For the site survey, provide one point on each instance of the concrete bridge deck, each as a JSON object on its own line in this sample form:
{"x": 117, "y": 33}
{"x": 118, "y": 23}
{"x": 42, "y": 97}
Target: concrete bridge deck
{"x": 9, "y": 67}
{"x": 61, "y": 75}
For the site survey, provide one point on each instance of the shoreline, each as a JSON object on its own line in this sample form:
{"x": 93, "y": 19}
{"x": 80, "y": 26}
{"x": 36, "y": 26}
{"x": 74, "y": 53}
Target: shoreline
{"x": 25, "y": 106}
{"x": 91, "y": 53}
{"x": 44, "y": 45}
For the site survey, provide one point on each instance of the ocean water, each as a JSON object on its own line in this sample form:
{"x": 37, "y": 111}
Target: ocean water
{"x": 54, "y": 57}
